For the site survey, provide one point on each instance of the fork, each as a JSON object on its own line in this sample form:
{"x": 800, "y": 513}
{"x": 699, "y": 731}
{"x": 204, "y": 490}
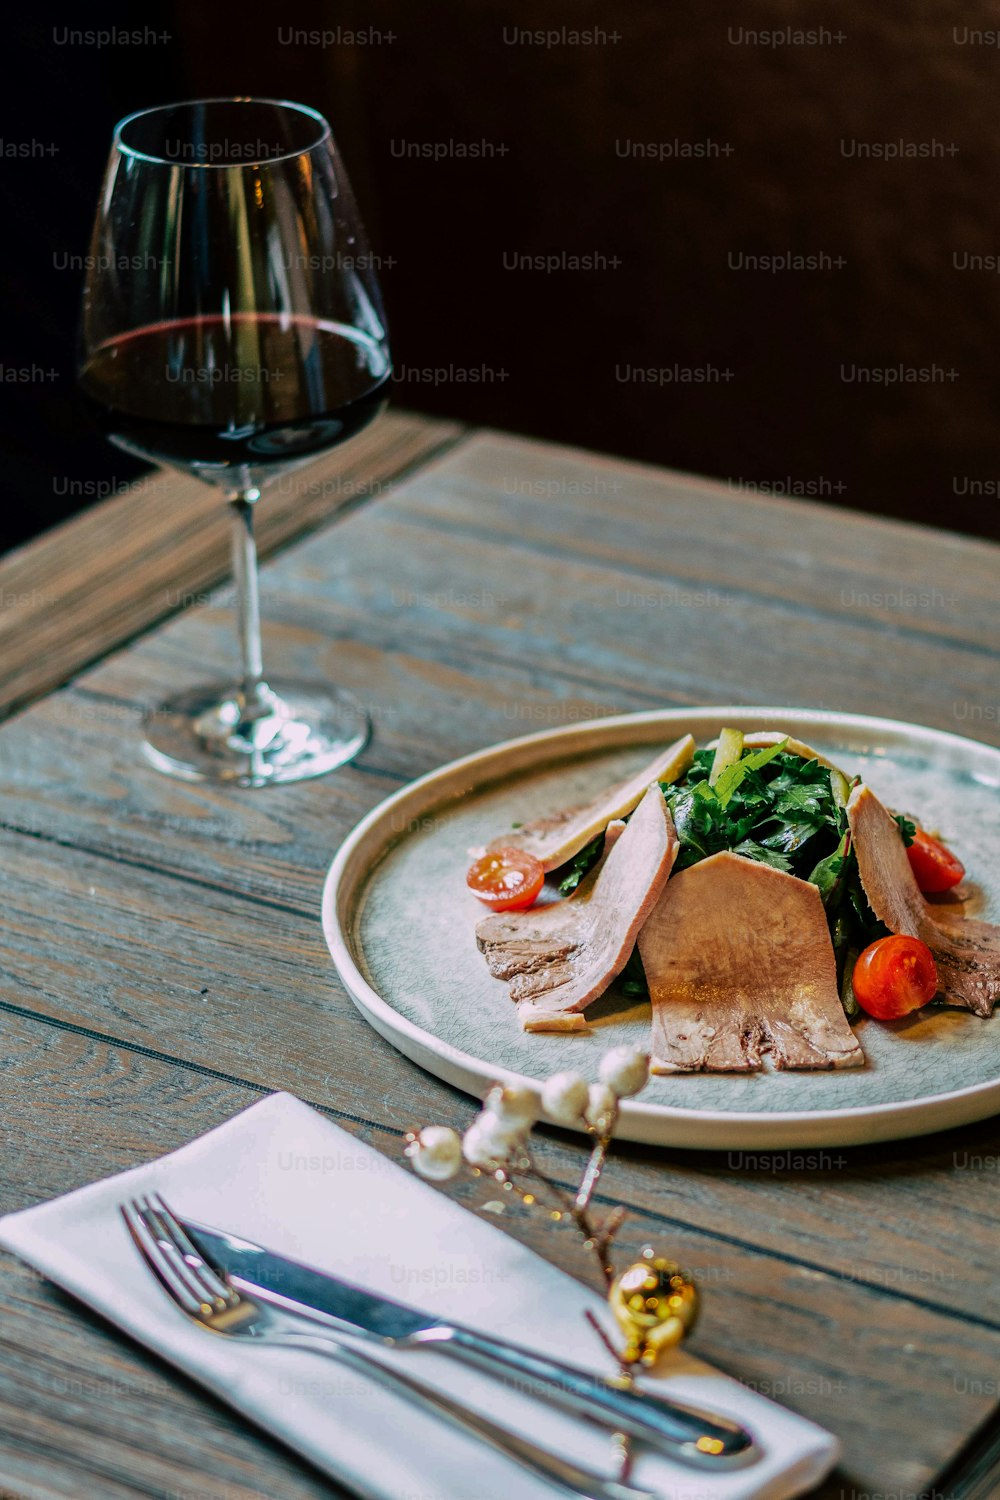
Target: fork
{"x": 209, "y": 1299}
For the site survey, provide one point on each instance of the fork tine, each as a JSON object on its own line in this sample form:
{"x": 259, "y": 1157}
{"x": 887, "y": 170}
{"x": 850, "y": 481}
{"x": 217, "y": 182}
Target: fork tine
{"x": 214, "y": 1284}
{"x": 157, "y": 1261}
{"x": 170, "y": 1252}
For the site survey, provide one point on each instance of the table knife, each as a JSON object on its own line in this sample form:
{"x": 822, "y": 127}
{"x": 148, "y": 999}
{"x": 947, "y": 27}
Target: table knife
{"x": 680, "y": 1430}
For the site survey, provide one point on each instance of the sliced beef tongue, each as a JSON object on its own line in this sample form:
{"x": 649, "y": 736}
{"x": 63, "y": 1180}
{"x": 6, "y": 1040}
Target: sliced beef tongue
{"x": 967, "y": 952}
{"x": 559, "y": 958}
{"x": 739, "y": 963}
{"x": 558, "y": 836}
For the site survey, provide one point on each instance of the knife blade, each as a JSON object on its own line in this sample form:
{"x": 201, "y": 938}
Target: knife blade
{"x": 674, "y": 1427}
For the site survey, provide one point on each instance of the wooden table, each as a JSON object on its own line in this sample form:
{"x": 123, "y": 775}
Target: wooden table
{"x": 161, "y": 952}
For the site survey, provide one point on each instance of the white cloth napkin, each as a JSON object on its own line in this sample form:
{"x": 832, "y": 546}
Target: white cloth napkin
{"x": 284, "y": 1175}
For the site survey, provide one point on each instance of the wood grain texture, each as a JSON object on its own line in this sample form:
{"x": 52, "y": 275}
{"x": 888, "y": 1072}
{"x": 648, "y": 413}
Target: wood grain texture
{"x": 143, "y": 555}
{"x": 488, "y": 624}
{"x": 136, "y": 949}
{"x": 228, "y": 983}
{"x": 62, "y": 1370}
{"x": 164, "y": 936}
{"x": 84, "y": 1411}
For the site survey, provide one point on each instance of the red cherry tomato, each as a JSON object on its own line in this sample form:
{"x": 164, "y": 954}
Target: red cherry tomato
{"x": 894, "y": 976}
{"x": 934, "y": 867}
{"x": 506, "y": 879}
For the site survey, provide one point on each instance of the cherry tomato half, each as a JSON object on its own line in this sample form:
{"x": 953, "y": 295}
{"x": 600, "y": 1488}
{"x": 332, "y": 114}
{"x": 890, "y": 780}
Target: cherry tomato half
{"x": 506, "y": 879}
{"x": 894, "y": 976}
{"x": 934, "y": 867}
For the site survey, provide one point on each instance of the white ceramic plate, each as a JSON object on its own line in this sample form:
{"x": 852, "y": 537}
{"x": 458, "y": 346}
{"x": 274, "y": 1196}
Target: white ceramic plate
{"x": 400, "y": 925}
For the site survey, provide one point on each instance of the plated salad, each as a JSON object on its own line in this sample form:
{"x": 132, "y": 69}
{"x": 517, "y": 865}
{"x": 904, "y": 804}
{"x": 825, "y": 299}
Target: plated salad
{"x": 760, "y": 898}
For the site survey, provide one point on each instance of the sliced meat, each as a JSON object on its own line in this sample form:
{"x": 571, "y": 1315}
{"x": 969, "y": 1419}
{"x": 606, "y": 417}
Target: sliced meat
{"x": 739, "y": 962}
{"x": 522, "y": 945}
{"x": 559, "y": 958}
{"x": 967, "y": 952}
{"x": 557, "y": 837}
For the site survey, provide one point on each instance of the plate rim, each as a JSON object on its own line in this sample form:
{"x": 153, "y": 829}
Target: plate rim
{"x": 648, "y": 1123}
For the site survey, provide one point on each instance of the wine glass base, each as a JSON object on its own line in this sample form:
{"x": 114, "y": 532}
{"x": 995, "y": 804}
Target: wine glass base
{"x": 292, "y": 731}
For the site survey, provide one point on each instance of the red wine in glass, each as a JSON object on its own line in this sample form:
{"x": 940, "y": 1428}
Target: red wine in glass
{"x": 256, "y": 390}
{"x": 233, "y": 328}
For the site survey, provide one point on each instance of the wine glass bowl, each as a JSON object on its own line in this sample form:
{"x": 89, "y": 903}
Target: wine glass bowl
{"x": 233, "y": 328}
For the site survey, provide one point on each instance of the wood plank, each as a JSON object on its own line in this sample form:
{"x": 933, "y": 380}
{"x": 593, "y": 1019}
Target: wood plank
{"x": 142, "y": 555}
{"x": 248, "y": 991}
{"x": 975, "y": 1473}
{"x": 690, "y": 541}
{"x": 237, "y": 986}
{"x": 820, "y": 556}
{"x": 440, "y": 638}
{"x": 83, "y": 1410}
{"x": 674, "y": 566}
{"x": 96, "y": 1109}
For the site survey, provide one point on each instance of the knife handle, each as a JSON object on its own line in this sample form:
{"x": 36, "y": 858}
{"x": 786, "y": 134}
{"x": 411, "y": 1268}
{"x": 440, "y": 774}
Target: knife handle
{"x": 679, "y": 1430}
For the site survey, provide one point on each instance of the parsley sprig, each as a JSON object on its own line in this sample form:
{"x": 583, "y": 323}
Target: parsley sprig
{"x": 769, "y": 805}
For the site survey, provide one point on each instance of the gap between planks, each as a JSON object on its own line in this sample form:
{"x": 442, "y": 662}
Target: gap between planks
{"x": 156, "y": 549}
{"x": 646, "y": 1211}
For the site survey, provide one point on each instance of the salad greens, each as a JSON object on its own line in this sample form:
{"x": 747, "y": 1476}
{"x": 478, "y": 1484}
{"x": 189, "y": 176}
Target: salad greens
{"x": 780, "y": 809}
{"x": 770, "y": 805}
{"x": 575, "y": 869}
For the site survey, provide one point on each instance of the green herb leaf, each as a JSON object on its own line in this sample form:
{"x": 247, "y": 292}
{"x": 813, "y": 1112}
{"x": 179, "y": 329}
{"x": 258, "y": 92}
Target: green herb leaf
{"x": 803, "y": 799}
{"x": 789, "y": 836}
{"x": 632, "y": 979}
{"x": 848, "y": 998}
{"x": 735, "y": 774}
{"x": 907, "y": 828}
{"x": 826, "y": 875}
{"x": 573, "y": 871}
{"x": 763, "y": 856}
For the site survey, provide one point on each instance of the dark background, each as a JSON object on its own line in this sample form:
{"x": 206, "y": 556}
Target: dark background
{"x": 559, "y": 349}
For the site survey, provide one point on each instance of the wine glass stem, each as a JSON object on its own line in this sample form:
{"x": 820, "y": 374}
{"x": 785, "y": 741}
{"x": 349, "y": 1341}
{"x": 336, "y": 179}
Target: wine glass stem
{"x": 247, "y": 597}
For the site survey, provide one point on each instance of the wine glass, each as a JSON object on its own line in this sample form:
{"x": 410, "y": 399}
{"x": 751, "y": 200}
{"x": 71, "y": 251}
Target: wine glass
{"x": 233, "y": 328}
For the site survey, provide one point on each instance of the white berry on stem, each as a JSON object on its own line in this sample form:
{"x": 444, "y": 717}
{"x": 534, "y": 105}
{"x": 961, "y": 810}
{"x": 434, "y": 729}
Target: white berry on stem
{"x": 565, "y": 1097}
{"x": 624, "y": 1069}
{"x": 486, "y": 1143}
{"x": 436, "y": 1153}
{"x": 514, "y": 1105}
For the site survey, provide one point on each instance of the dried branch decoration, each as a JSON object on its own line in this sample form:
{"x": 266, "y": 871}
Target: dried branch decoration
{"x": 655, "y": 1304}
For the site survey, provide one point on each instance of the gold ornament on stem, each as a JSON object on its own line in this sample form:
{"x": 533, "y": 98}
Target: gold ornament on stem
{"x": 655, "y": 1305}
